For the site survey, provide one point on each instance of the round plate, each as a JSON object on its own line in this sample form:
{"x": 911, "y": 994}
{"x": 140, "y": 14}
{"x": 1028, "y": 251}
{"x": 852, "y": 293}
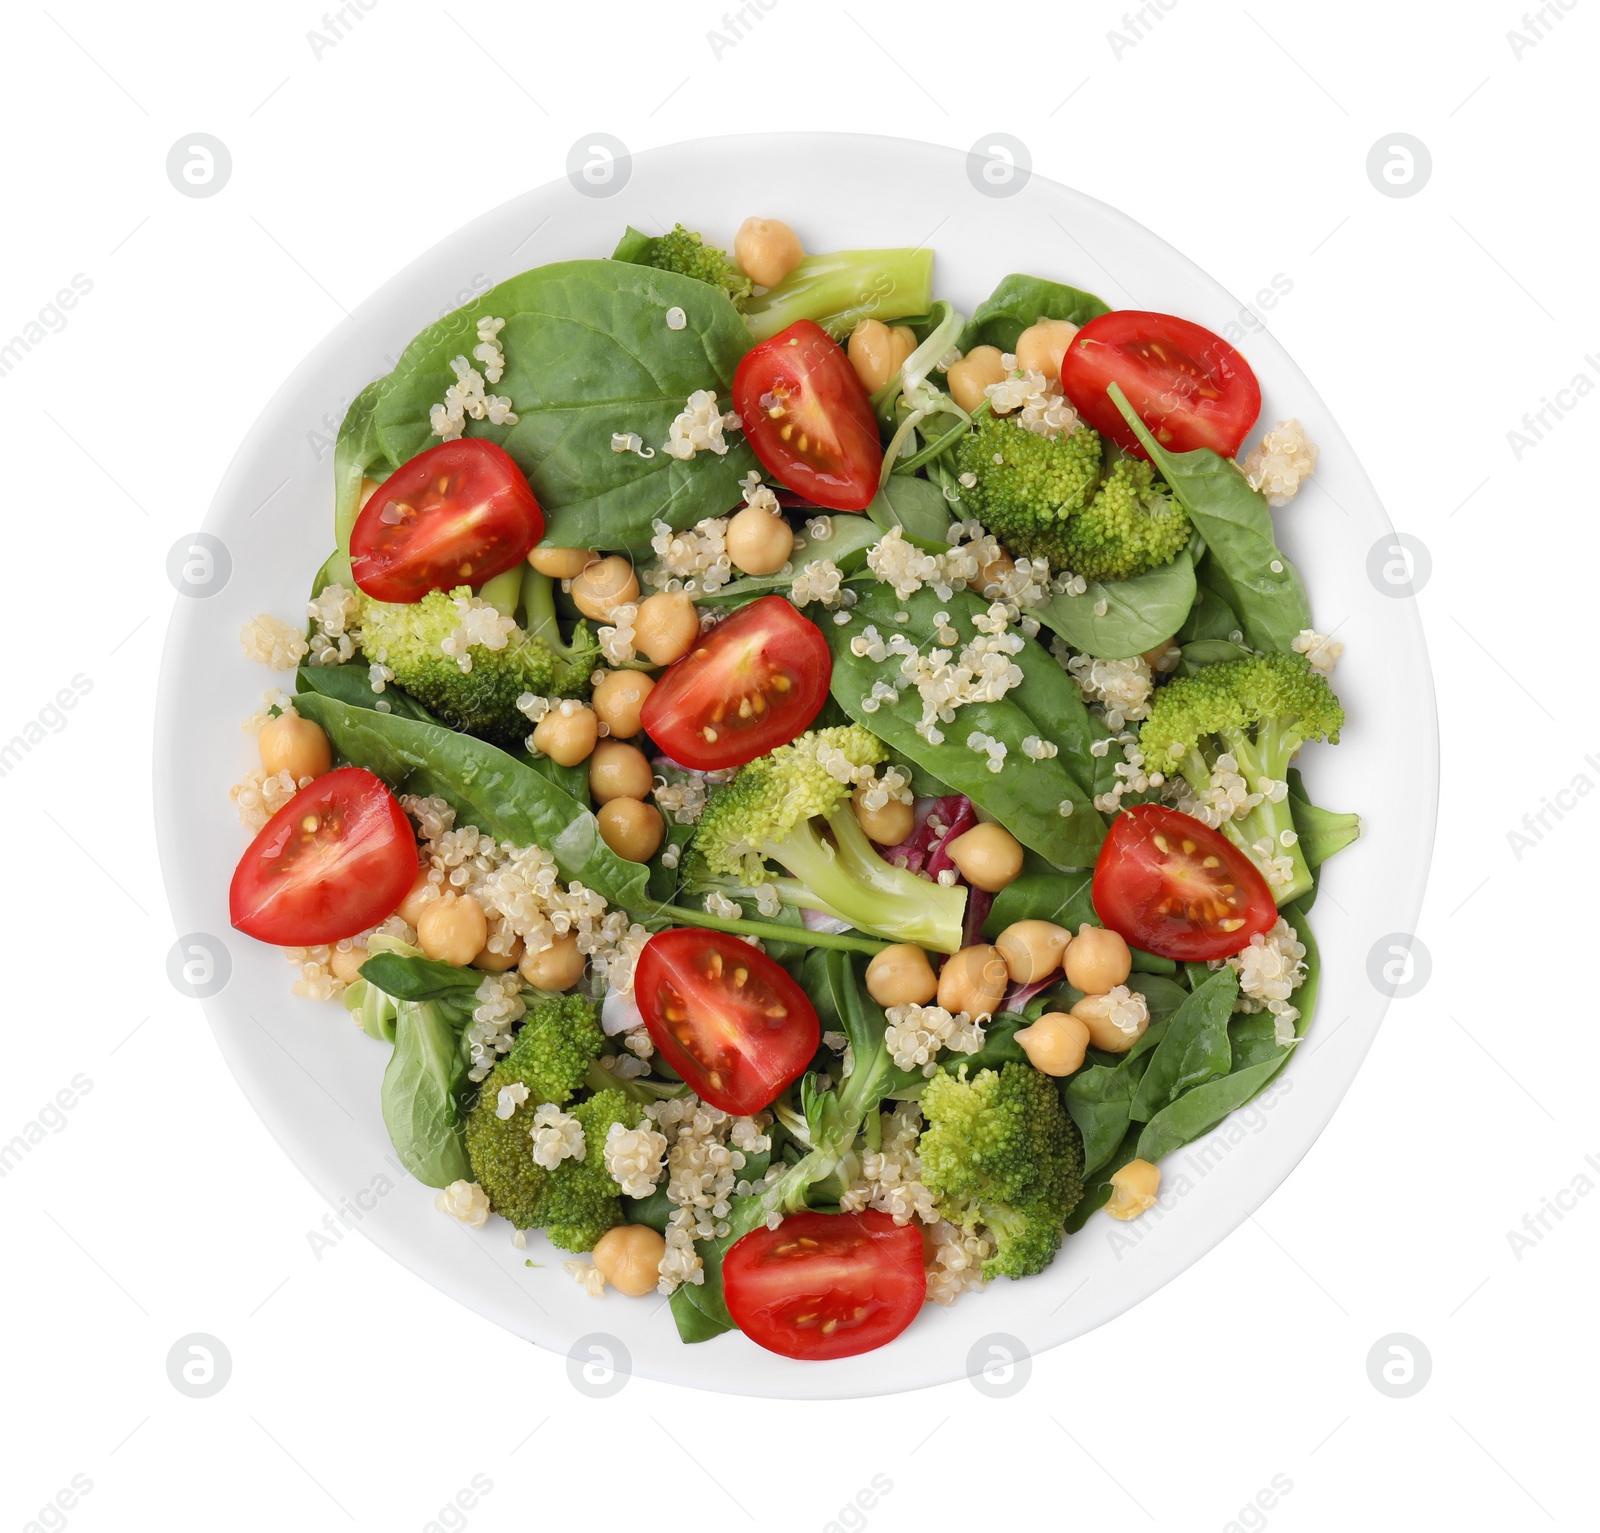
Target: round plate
{"x": 314, "y": 1077}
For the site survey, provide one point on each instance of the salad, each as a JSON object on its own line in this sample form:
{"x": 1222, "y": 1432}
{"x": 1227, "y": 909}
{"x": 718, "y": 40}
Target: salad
{"x": 799, "y": 780}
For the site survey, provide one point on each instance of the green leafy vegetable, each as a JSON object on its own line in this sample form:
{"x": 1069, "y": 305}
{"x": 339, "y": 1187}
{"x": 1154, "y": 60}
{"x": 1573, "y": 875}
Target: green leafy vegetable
{"x": 1194, "y": 1048}
{"x": 352, "y": 685}
{"x": 917, "y": 507}
{"x": 1138, "y": 613}
{"x": 422, "y": 1093}
{"x": 1020, "y": 301}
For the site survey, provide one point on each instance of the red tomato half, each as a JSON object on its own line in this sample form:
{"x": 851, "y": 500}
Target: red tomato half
{"x": 754, "y": 682}
{"x": 1177, "y": 888}
{"x": 808, "y": 417}
{"x": 336, "y": 859}
{"x": 1189, "y": 387}
{"x": 458, "y": 514}
{"x": 728, "y": 1019}
{"x": 826, "y": 1285}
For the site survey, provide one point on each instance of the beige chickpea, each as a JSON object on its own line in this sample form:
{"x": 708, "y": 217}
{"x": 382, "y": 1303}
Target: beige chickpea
{"x": 901, "y": 976}
{"x": 631, "y": 829}
{"x": 1164, "y": 658}
{"x": 1032, "y": 949}
{"x": 991, "y": 574}
{"x": 1097, "y": 961}
{"x": 888, "y": 826}
{"x": 1056, "y": 1043}
{"x": 369, "y": 488}
{"x": 877, "y": 353}
{"x": 567, "y": 736}
{"x": 767, "y": 250}
{"x": 346, "y": 962}
{"x": 1041, "y": 346}
{"x": 294, "y": 745}
{"x": 491, "y": 962}
{"x": 758, "y": 541}
{"x": 973, "y": 374}
{"x": 1096, "y": 1013}
{"x": 629, "y": 1258}
{"x": 973, "y": 980}
{"x": 618, "y": 771}
{"x": 603, "y": 585}
{"x": 423, "y": 893}
{"x": 618, "y": 699}
{"x": 561, "y": 563}
{"x": 557, "y": 967}
{"x": 453, "y": 930}
{"x": 988, "y": 856}
{"x": 666, "y": 627}
{"x": 1134, "y": 1188}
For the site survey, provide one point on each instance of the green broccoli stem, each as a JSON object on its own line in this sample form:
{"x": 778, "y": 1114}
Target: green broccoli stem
{"x": 636, "y": 1089}
{"x": 539, "y": 615}
{"x": 838, "y": 289}
{"x": 504, "y": 591}
{"x": 1267, "y": 756}
{"x": 768, "y": 931}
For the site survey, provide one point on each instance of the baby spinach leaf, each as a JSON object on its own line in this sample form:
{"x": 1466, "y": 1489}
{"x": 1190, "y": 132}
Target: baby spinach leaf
{"x": 1043, "y": 894}
{"x": 357, "y": 455}
{"x": 1099, "y": 1099}
{"x": 917, "y": 507}
{"x": 421, "y": 979}
{"x": 1025, "y": 796}
{"x": 1195, "y": 1048}
{"x": 351, "y": 684}
{"x": 1138, "y": 613}
{"x": 1211, "y": 616}
{"x": 486, "y": 787}
{"x": 1018, "y": 302}
{"x": 1250, "y": 572}
{"x": 1323, "y": 832}
{"x": 422, "y": 1095}
{"x": 1203, "y": 652}
{"x": 588, "y": 355}
{"x": 693, "y": 1323}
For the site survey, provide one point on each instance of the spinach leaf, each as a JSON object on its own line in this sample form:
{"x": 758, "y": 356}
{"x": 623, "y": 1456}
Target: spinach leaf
{"x": 1249, "y": 571}
{"x": 486, "y": 787}
{"x": 588, "y": 354}
{"x": 1323, "y": 833}
{"x": 1099, "y": 1100}
{"x": 1000, "y": 1046}
{"x": 1194, "y": 1049}
{"x": 1043, "y": 894}
{"x": 1025, "y": 796}
{"x": 1151, "y": 963}
{"x": 852, "y": 537}
{"x": 1211, "y": 617}
{"x": 421, "y": 979}
{"x": 357, "y": 455}
{"x": 1018, "y": 302}
{"x": 693, "y": 1323}
{"x": 1203, "y": 652}
{"x": 350, "y": 684}
{"x": 422, "y": 1095}
{"x": 1138, "y": 613}
{"x": 917, "y": 507}
{"x": 1097, "y": 1191}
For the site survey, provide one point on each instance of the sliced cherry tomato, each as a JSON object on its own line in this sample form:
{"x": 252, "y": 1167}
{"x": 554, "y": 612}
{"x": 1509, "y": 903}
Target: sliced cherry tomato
{"x": 808, "y": 418}
{"x": 335, "y": 860}
{"x": 458, "y": 514}
{"x": 752, "y": 683}
{"x": 1177, "y": 888}
{"x": 728, "y": 1019}
{"x": 826, "y": 1285}
{"x": 1189, "y": 387}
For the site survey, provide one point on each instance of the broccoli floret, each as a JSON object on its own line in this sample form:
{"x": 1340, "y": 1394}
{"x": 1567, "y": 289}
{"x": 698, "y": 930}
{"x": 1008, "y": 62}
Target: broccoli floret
{"x": 1246, "y": 717}
{"x": 1131, "y": 525}
{"x": 789, "y": 807}
{"x": 686, "y": 253}
{"x": 551, "y": 1055}
{"x": 999, "y": 1151}
{"x": 1046, "y": 498}
{"x": 581, "y": 1201}
{"x": 482, "y": 701}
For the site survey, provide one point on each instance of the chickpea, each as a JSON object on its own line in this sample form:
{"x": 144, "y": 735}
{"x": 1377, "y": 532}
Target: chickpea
{"x": 1042, "y": 345}
{"x": 767, "y": 250}
{"x": 294, "y": 745}
{"x": 369, "y": 488}
{"x": 453, "y": 930}
{"x": 758, "y": 541}
{"x": 901, "y": 976}
{"x": 888, "y": 826}
{"x": 1095, "y": 1012}
{"x": 618, "y": 698}
{"x": 877, "y": 352}
{"x": 1032, "y": 949}
{"x": 973, "y": 374}
{"x": 618, "y": 771}
{"x": 631, "y": 829}
{"x": 1133, "y": 1189}
{"x": 973, "y": 981}
{"x": 1056, "y": 1043}
{"x": 988, "y": 856}
{"x": 1097, "y": 961}
{"x": 1164, "y": 658}
{"x": 603, "y": 585}
{"x": 567, "y": 737}
{"x": 422, "y": 894}
{"x": 491, "y": 962}
{"x": 629, "y": 1258}
{"x": 666, "y": 627}
{"x": 562, "y": 563}
{"x": 557, "y": 967}
{"x": 990, "y": 576}
{"x": 346, "y": 963}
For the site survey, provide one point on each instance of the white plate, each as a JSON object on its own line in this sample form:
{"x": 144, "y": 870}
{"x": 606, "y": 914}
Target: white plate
{"x": 314, "y": 1078}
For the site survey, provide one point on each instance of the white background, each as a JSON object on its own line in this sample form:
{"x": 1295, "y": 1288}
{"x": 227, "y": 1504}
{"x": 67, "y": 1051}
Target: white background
{"x": 158, "y": 1206}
